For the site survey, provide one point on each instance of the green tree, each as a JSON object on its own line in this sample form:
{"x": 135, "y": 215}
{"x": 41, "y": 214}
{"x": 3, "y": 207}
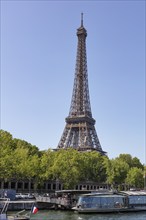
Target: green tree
{"x": 6, "y": 139}
{"x": 135, "y": 177}
{"x": 18, "y": 159}
{"x": 132, "y": 162}
{"x": 23, "y": 165}
{"x": 117, "y": 171}
{"x": 66, "y": 167}
{"x": 136, "y": 163}
{"x": 144, "y": 177}
{"x": 21, "y": 160}
{"x": 32, "y": 149}
{"x": 6, "y": 150}
{"x": 92, "y": 167}
{"x": 46, "y": 163}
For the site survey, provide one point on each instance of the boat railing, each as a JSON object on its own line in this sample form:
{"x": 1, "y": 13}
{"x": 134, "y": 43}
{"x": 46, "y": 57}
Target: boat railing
{"x": 5, "y": 202}
{"x": 62, "y": 201}
{"x": 22, "y": 215}
{"x": 59, "y": 200}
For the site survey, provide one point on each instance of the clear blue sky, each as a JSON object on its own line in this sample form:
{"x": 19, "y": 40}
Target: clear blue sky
{"x": 38, "y": 54}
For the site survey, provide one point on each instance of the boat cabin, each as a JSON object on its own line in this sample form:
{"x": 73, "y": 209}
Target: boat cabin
{"x": 102, "y": 201}
{"x": 111, "y": 202}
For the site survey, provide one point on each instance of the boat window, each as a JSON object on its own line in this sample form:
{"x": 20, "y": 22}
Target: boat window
{"x": 101, "y": 202}
{"x": 105, "y": 201}
{"x": 111, "y": 202}
{"x": 137, "y": 199}
{"x": 85, "y": 202}
{"x": 95, "y": 202}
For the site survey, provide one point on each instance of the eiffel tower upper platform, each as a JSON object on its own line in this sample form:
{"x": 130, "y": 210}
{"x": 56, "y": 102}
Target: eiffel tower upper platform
{"x": 79, "y": 132}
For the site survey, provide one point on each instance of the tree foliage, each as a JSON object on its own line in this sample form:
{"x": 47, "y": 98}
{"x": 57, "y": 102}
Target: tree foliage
{"x": 18, "y": 159}
{"x": 116, "y": 171}
{"x": 135, "y": 177}
{"x": 21, "y": 160}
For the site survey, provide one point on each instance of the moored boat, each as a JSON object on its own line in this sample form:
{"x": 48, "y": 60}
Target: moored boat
{"x": 4, "y": 203}
{"x": 136, "y": 199}
{"x": 110, "y": 203}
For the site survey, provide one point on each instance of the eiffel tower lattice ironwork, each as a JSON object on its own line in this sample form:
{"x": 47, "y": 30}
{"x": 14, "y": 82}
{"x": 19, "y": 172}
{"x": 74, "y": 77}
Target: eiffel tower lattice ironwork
{"x": 79, "y": 132}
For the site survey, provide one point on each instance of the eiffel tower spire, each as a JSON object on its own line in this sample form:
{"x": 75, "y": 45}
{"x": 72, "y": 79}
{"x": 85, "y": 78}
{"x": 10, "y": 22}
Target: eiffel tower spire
{"x": 79, "y": 132}
{"x": 81, "y": 19}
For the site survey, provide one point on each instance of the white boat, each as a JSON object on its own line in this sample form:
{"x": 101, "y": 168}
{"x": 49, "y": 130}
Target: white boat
{"x": 110, "y": 203}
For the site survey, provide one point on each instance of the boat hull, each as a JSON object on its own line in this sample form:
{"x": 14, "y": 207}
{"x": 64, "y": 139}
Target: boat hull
{"x": 110, "y": 210}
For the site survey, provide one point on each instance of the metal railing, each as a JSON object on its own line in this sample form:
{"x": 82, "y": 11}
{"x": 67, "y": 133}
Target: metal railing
{"x": 5, "y": 203}
{"x": 58, "y": 201}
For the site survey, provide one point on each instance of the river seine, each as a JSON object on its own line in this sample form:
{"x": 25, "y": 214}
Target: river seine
{"x": 66, "y": 215}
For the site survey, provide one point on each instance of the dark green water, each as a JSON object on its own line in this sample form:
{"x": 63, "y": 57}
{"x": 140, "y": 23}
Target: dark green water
{"x": 65, "y": 215}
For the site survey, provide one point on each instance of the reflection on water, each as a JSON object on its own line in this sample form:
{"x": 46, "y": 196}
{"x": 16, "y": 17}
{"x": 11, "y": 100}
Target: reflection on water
{"x": 65, "y": 215}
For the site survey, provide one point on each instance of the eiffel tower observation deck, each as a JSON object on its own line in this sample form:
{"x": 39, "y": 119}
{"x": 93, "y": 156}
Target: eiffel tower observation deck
{"x": 79, "y": 132}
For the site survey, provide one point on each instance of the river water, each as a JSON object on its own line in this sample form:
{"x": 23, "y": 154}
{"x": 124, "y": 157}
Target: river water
{"x": 69, "y": 215}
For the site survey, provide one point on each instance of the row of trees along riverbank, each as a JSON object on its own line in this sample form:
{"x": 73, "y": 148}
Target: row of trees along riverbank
{"x": 21, "y": 160}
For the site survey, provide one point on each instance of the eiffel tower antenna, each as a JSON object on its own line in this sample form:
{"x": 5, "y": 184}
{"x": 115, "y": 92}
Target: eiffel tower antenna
{"x": 79, "y": 132}
{"x": 81, "y": 19}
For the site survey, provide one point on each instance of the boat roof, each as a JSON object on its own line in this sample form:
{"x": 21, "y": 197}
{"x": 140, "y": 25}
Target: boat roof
{"x": 83, "y": 191}
{"x": 102, "y": 195}
{"x": 134, "y": 193}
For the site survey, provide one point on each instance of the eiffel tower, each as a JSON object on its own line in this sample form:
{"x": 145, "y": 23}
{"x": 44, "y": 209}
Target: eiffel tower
{"x": 79, "y": 132}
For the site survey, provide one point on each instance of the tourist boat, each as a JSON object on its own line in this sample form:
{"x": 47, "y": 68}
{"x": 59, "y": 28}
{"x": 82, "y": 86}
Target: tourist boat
{"x": 110, "y": 203}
